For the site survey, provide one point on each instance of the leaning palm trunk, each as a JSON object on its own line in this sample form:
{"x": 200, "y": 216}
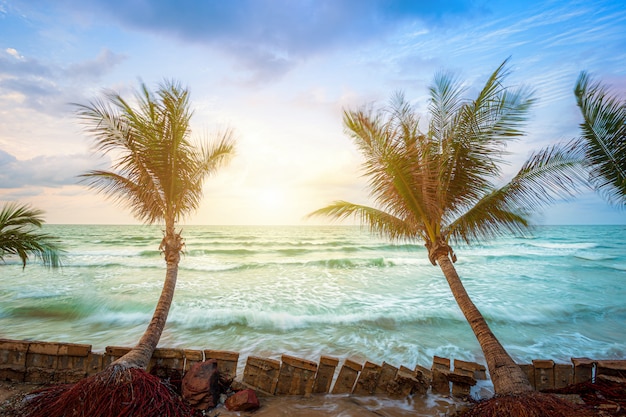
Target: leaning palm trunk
{"x": 507, "y": 377}
{"x": 124, "y": 388}
{"x": 139, "y": 356}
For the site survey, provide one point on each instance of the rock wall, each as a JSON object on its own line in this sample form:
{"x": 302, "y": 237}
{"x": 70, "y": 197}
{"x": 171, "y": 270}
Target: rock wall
{"x": 50, "y": 362}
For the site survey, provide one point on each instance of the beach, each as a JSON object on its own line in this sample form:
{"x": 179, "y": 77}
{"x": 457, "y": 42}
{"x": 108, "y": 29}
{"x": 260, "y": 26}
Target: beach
{"x": 12, "y": 393}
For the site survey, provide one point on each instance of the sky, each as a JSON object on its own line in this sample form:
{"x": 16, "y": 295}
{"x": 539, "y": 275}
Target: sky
{"x": 280, "y": 73}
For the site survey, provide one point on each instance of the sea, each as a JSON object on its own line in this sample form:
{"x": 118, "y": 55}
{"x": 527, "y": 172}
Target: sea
{"x": 557, "y": 293}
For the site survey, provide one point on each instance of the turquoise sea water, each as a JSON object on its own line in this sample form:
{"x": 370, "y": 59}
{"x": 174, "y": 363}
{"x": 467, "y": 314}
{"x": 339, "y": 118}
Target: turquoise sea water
{"x": 338, "y": 291}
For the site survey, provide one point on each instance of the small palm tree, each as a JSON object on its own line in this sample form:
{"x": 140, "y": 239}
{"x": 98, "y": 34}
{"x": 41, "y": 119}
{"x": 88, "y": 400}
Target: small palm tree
{"x": 18, "y": 236}
{"x": 439, "y": 186}
{"x": 159, "y": 174}
{"x": 603, "y": 138}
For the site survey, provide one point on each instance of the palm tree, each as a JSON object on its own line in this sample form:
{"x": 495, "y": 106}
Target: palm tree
{"x": 18, "y": 236}
{"x": 603, "y": 138}
{"x": 158, "y": 174}
{"x": 438, "y": 186}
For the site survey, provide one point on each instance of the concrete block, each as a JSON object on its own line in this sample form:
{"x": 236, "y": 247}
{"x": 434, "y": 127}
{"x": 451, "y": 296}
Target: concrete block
{"x": 479, "y": 371}
{"x": 583, "y": 369}
{"x": 407, "y": 382}
{"x": 347, "y": 377}
{"x": 368, "y": 379}
{"x": 612, "y": 370}
{"x": 226, "y": 361}
{"x": 563, "y": 375}
{"x": 325, "y": 374}
{"x": 44, "y": 348}
{"x": 94, "y": 363}
{"x": 529, "y": 370}
{"x": 13, "y": 360}
{"x": 387, "y": 375}
{"x": 165, "y": 353}
{"x": 13, "y": 345}
{"x": 74, "y": 349}
{"x": 425, "y": 373}
{"x": 261, "y": 374}
{"x": 296, "y": 376}
{"x": 112, "y": 353}
{"x": 441, "y": 363}
{"x": 462, "y": 382}
{"x": 544, "y": 374}
{"x": 41, "y": 362}
{"x": 440, "y": 370}
{"x": 167, "y": 358}
{"x": 71, "y": 369}
{"x": 191, "y": 357}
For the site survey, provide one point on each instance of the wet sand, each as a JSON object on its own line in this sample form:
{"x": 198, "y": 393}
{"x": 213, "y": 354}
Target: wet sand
{"x": 349, "y": 406}
{"x": 11, "y": 393}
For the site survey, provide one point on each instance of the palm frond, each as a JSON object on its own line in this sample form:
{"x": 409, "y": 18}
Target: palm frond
{"x": 397, "y": 166}
{"x": 379, "y": 222}
{"x": 553, "y": 173}
{"x": 604, "y": 131}
{"x": 18, "y": 236}
{"x": 472, "y": 157}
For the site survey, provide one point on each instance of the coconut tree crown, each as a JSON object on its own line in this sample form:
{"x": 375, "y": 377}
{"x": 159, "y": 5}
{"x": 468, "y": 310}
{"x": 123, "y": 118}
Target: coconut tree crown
{"x": 441, "y": 184}
{"x": 158, "y": 172}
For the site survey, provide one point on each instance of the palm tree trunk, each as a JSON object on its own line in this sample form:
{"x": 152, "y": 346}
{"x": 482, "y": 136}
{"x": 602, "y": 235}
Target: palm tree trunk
{"x": 140, "y": 355}
{"x": 507, "y": 377}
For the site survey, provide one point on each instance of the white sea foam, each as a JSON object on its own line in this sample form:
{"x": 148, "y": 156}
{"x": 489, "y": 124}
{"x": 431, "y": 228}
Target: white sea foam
{"x": 336, "y": 291}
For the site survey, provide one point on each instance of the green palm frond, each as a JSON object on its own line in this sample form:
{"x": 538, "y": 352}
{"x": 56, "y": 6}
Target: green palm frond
{"x": 604, "y": 132}
{"x": 157, "y": 171}
{"x": 379, "y": 222}
{"x": 19, "y": 236}
{"x": 553, "y": 173}
{"x": 473, "y": 155}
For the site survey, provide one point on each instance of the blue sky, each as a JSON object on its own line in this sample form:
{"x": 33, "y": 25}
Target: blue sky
{"x": 280, "y": 72}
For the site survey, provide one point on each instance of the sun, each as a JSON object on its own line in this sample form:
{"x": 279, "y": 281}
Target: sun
{"x": 271, "y": 198}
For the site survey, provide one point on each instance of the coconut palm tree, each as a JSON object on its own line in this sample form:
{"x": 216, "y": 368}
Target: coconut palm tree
{"x": 439, "y": 186}
{"x": 603, "y": 137}
{"x": 158, "y": 174}
{"x": 18, "y": 235}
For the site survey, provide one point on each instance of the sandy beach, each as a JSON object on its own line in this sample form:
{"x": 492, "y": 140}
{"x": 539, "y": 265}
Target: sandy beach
{"x": 12, "y": 394}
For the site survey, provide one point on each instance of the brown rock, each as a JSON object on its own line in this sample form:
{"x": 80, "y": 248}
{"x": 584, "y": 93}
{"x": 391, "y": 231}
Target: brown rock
{"x": 245, "y": 400}
{"x": 201, "y": 385}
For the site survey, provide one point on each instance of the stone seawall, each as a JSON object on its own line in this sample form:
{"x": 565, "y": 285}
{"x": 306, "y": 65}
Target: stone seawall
{"x": 50, "y": 362}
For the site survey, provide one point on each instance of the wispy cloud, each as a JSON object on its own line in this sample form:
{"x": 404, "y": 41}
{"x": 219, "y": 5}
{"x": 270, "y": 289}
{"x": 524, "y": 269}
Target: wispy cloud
{"x": 47, "y": 87}
{"x": 270, "y": 37}
{"x": 43, "y": 171}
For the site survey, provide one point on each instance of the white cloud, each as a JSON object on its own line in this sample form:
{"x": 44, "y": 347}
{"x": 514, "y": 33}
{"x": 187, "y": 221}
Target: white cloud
{"x": 13, "y": 52}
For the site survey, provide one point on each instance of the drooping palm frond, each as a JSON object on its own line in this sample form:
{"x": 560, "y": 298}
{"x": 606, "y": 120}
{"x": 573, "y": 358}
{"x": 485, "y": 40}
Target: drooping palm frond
{"x": 18, "y": 236}
{"x": 553, "y": 173}
{"x": 604, "y": 131}
{"x": 379, "y": 222}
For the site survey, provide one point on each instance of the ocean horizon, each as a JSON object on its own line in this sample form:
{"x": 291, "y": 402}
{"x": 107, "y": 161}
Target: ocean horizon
{"x": 339, "y": 291}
